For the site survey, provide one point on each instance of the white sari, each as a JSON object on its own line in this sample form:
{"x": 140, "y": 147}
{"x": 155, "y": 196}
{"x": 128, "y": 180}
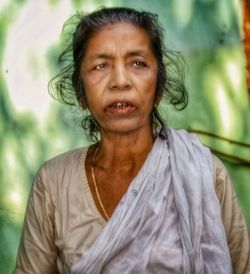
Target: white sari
{"x": 136, "y": 234}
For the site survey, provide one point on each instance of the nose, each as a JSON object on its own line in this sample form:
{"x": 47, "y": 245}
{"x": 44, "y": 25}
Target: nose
{"x": 119, "y": 79}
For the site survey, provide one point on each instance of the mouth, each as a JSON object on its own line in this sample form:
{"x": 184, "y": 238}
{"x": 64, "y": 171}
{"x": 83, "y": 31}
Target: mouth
{"x": 121, "y": 107}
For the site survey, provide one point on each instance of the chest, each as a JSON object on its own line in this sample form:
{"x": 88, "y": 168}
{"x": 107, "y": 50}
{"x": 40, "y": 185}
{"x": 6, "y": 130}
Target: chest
{"x": 79, "y": 222}
{"x": 108, "y": 188}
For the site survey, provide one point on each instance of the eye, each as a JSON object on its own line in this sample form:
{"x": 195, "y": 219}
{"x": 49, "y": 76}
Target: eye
{"x": 100, "y": 66}
{"x": 138, "y": 64}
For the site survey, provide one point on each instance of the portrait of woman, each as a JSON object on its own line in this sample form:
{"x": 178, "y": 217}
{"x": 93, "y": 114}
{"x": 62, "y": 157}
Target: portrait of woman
{"x": 143, "y": 198}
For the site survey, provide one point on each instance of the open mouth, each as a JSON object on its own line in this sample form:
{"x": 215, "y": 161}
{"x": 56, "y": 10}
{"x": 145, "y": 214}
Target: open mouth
{"x": 121, "y": 105}
{"x": 121, "y": 108}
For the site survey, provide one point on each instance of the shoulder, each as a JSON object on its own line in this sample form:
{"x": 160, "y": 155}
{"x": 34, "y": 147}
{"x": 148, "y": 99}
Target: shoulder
{"x": 232, "y": 218}
{"x": 218, "y": 167}
{"x": 67, "y": 156}
{"x": 223, "y": 184}
{"x": 66, "y": 159}
{"x": 62, "y": 168}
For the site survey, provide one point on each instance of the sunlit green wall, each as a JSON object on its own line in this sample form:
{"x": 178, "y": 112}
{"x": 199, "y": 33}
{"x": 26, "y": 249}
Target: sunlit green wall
{"x": 34, "y": 128}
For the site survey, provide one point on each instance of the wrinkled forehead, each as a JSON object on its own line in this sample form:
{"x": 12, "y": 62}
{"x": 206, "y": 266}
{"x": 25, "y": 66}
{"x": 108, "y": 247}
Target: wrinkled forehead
{"x": 118, "y": 38}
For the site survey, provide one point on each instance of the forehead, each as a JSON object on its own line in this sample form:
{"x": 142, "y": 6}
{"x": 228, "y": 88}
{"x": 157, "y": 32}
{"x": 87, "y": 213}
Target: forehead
{"x": 118, "y": 38}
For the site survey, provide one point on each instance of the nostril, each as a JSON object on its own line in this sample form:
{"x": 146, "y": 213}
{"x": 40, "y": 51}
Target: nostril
{"x": 120, "y": 86}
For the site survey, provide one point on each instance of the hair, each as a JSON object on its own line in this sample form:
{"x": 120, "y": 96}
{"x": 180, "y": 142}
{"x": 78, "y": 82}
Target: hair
{"x": 67, "y": 85}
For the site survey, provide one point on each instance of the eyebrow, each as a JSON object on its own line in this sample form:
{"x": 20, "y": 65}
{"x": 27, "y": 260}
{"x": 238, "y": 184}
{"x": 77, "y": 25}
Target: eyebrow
{"x": 110, "y": 56}
{"x": 136, "y": 53}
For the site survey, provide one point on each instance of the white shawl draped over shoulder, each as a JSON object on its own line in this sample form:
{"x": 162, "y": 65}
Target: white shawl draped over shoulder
{"x": 183, "y": 164}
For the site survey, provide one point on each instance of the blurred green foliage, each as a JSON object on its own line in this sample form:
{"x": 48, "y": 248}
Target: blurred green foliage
{"x": 207, "y": 32}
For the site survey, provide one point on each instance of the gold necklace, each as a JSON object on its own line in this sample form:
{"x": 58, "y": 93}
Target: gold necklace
{"x": 95, "y": 185}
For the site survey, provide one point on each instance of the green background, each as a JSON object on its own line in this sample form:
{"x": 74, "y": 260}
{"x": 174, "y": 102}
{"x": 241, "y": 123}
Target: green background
{"x": 34, "y": 128}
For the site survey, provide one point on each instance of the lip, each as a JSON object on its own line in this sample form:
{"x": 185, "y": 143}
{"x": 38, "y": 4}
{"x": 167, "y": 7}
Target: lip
{"x": 128, "y": 102}
{"x": 120, "y": 111}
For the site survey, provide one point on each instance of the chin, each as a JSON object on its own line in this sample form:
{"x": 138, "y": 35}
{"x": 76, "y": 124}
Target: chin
{"x": 125, "y": 127}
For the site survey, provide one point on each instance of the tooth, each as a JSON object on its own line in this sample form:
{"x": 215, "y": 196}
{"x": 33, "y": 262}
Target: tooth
{"x": 119, "y": 105}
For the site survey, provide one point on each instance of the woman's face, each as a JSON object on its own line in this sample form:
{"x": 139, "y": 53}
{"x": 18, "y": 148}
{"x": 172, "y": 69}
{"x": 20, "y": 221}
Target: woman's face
{"x": 119, "y": 74}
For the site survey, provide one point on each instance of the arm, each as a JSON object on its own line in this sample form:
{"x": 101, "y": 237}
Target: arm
{"x": 37, "y": 251}
{"x": 233, "y": 220}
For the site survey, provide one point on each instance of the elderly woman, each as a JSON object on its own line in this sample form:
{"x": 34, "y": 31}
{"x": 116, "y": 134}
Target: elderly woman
{"x": 144, "y": 198}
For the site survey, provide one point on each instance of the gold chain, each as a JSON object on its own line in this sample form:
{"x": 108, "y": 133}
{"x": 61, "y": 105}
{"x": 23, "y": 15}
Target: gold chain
{"x": 95, "y": 185}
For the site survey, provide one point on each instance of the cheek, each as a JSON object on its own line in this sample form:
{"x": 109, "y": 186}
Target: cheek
{"x": 94, "y": 85}
{"x": 148, "y": 83}
{"x": 88, "y": 94}
{"x": 148, "y": 77}
{"x": 95, "y": 78}
{"x": 150, "y": 92}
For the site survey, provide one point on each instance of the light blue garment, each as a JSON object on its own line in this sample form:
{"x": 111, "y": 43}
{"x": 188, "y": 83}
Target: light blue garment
{"x": 137, "y": 227}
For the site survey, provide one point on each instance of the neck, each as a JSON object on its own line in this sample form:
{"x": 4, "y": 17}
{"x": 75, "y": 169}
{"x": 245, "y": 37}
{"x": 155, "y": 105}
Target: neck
{"x": 124, "y": 150}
